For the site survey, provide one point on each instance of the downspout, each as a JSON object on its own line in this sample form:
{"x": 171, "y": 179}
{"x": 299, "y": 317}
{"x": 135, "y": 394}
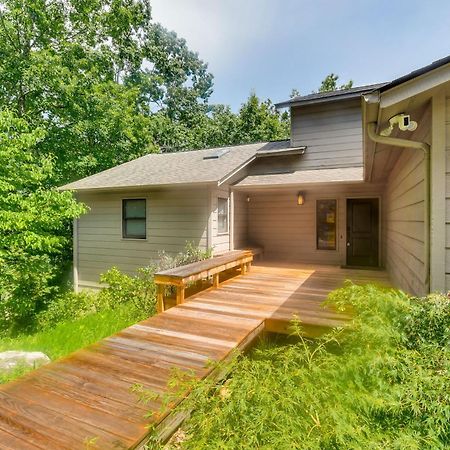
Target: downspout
{"x": 425, "y": 148}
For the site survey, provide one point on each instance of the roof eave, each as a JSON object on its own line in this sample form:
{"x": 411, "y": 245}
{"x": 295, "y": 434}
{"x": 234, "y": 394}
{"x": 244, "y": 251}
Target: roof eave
{"x": 331, "y": 99}
{"x": 137, "y": 187}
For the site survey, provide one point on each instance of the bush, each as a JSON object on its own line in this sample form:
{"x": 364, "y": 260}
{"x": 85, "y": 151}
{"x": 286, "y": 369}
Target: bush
{"x": 383, "y": 384}
{"x": 137, "y": 291}
{"x": 140, "y": 289}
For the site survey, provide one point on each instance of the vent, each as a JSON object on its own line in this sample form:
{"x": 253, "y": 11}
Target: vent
{"x": 217, "y": 153}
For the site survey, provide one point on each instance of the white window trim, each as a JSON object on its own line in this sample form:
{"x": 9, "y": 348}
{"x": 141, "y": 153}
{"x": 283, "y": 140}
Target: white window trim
{"x": 223, "y": 233}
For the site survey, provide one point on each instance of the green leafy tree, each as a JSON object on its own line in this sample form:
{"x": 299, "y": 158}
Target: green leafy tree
{"x": 33, "y": 222}
{"x": 92, "y": 74}
{"x": 330, "y": 83}
{"x": 260, "y": 121}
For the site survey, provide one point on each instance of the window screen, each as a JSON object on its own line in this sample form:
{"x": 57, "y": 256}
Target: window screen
{"x": 222, "y": 215}
{"x": 326, "y": 224}
{"x": 134, "y": 220}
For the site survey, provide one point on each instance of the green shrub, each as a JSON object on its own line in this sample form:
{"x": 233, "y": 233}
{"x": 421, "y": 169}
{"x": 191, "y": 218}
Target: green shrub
{"x": 138, "y": 290}
{"x": 69, "y": 306}
{"x": 379, "y": 385}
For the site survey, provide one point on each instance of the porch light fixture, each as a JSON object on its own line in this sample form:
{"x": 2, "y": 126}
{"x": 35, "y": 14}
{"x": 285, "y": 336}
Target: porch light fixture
{"x": 248, "y": 199}
{"x": 300, "y": 198}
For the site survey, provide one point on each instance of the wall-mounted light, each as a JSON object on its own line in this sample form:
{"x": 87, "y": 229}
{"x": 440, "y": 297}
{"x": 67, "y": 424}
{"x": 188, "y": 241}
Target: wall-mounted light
{"x": 248, "y": 198}
{"x": 300, "y": 198}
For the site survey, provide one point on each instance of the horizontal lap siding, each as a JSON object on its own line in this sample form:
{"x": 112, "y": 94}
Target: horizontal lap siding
{"x": 405, "y": 216}
{"x": 287, "y": 231}
{"x": 174, "y": 217}
{"x": 332, "y": 134}
{"x": 240, "y": 220}
{"x": 447, "y": 218}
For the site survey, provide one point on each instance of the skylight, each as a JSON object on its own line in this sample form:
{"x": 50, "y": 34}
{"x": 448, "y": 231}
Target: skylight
{"x": 217, "y": 153}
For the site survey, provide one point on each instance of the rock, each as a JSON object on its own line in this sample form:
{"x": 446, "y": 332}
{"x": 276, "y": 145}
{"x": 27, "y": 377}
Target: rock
{"x": 13, "y": 359}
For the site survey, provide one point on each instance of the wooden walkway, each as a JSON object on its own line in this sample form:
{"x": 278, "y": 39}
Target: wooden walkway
{"x": 85, "y": 401}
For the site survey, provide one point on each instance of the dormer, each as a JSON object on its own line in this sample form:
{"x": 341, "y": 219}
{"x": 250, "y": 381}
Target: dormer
{"x": 329, "y": 124}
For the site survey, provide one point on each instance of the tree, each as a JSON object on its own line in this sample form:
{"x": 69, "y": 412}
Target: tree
{"x": 33, "y": 222}
{"x": 260, "y": 121}
{"x": 330, "y": 84}
{"x": 91, "y": 74}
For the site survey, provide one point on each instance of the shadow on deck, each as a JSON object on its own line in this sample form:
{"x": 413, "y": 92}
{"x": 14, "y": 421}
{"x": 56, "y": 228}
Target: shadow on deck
{"x": 86, "y": 396}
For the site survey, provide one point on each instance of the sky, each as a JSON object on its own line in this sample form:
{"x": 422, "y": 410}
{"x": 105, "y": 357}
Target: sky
{"x": 273, "y": 46}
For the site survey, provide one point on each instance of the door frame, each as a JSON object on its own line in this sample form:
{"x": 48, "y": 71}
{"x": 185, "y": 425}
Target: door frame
{"x": 380, "y": 214}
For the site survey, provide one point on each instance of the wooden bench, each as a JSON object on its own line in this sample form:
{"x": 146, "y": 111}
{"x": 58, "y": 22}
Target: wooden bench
{"x": 256, "y": 251}
{"x": 181, "y": 276}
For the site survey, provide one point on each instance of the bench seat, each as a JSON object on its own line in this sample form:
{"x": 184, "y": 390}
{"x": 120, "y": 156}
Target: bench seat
{"x": 189, "y": 273}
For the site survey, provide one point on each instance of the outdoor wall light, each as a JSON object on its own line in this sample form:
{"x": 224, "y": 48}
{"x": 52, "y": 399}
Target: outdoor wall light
{"x": 300, "y": 198}
{"x": 248, "y": 198}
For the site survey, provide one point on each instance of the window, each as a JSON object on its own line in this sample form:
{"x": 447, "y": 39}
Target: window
{"x": 134, "y": 218}
{"x": 222, "y": 215}
{"x": 326, "y": 224}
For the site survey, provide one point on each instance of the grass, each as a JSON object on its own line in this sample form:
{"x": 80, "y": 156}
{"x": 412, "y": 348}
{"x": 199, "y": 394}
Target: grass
{"x": 68, "y": 336}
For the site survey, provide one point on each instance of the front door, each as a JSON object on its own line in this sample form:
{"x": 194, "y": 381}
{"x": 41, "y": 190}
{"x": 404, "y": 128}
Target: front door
{"x": 362, "y": 232}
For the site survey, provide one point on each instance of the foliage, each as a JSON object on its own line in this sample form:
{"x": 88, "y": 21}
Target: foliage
{"x": 383, "y": 384}
{"x": 137, "y": 290}
{"x": 189, "y": 254}
{"x": 33, "y": 220}
{"x": 330, "y": 83}
{"x": 88, "y": 72}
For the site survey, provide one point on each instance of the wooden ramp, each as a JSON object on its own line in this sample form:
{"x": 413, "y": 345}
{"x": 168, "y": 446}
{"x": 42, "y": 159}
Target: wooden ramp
{"x": 85, "y": 400}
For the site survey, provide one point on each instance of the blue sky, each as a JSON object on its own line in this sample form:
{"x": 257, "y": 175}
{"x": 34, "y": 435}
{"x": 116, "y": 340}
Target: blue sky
{"x": 272, "y": 46}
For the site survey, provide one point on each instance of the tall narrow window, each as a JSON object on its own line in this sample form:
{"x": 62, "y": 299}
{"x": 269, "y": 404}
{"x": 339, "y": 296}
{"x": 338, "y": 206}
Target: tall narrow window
{"x": 222, "y": 215}
{"x": 134, "y": 218}
{"x": 326, "y": 224}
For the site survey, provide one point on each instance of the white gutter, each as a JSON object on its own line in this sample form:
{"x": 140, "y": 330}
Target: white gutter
{"x": 425, "y": 148}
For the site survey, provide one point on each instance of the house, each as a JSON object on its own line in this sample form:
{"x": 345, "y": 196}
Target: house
{"x": 364, "y": 181}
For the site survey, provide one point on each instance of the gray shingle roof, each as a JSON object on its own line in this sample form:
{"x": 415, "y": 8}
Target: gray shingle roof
{"x": 160, "y": 169}
{"x": 322, "y": 97}
{"x": 340, "y": 175}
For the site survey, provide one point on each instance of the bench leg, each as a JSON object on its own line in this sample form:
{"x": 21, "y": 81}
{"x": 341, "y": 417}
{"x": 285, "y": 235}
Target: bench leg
{"x": 216, "y": 280}
{"x": 249, "y": 265}
{"x": 160, "y": 298}
{"x": 180, "y": 295}
{"x": 243, "y": 269}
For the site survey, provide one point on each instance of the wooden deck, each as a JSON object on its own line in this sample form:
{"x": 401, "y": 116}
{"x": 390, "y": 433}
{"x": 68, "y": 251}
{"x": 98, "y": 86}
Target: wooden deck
{"x": 84, "y": 400}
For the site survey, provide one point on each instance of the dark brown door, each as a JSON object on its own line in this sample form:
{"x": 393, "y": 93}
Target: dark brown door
{"x": 362, "y": 232}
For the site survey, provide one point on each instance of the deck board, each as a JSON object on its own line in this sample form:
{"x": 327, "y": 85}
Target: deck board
{"x": 87, "y": 396}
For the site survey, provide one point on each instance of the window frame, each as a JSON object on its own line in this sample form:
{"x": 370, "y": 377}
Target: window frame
{"x": 335, "y": 200}
{"x": 227, "y": 231}
{"x": 124, "y": 219}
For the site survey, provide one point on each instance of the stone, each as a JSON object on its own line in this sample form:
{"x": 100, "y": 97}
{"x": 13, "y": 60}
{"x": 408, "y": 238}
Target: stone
{"x": 13, "y": 359}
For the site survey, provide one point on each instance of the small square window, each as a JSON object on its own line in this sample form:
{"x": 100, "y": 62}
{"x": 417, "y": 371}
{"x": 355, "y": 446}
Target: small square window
{"x": 222, "y": 215}
{"x": 134, "y": 218}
